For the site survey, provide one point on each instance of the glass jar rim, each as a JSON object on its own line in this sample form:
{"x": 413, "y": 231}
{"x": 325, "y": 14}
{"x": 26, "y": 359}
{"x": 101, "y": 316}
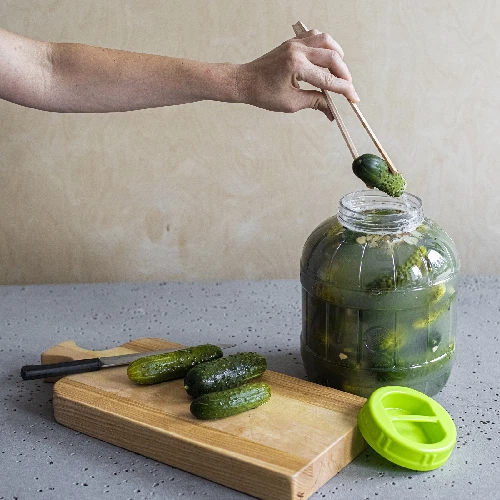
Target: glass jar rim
{"x": 371, "y": 211}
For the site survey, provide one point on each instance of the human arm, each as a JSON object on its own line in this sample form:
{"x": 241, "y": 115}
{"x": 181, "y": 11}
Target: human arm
{"x": 69, "y": 77}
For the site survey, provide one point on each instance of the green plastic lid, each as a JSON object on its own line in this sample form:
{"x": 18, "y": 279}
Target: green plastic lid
{"x": 408, "y": 428}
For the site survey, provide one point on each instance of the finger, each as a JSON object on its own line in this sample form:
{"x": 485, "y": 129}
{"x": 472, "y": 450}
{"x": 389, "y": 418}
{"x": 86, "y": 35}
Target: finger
{"x": 331, "y": 60}
{"x": 324, "y": 80}
{"x": 315, "y": 38}
{"x": 315, "y": 100}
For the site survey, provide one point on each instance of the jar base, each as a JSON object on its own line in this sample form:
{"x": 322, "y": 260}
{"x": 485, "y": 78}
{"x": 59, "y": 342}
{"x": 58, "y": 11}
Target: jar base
{"x": 362, "y": 382}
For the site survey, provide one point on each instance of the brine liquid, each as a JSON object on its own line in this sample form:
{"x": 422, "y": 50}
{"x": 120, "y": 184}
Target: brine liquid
{"x": 360, "y": 342}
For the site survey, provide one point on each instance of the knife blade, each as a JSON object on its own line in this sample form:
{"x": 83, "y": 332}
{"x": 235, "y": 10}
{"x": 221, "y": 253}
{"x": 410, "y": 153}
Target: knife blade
{"x": 32, "y": 372}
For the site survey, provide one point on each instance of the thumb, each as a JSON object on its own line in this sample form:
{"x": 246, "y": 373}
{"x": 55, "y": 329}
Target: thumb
{"x": 314, "y": 99}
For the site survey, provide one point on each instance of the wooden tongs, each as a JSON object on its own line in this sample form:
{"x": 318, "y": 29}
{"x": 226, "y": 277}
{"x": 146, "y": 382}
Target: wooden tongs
{"x": 300, "y": 28}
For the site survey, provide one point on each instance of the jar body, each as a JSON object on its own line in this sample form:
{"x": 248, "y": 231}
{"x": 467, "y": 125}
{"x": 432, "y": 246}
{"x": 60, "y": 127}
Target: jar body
{"x": 379, "y": 308}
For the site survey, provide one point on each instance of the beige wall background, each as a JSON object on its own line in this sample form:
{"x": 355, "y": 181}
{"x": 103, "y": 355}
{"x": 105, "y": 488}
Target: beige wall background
{"x": 213, "y": 191}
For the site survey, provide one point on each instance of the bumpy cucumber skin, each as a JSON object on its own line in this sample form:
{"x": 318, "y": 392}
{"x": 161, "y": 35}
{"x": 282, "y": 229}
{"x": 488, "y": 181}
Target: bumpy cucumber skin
{"x": 374, "y": 172}
{"x": 419, "y": 257}
{"x": 171, "y": 365}
{"x": 224, "y": 373}
{"x": 231, "y": 401}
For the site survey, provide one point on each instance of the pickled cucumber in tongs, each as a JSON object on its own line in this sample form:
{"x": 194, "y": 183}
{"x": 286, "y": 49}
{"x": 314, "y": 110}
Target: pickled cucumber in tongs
{"x": 375, "y": 172}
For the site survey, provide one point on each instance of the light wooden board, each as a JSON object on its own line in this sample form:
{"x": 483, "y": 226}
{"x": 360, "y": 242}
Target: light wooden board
{"x": 285, "y": 449}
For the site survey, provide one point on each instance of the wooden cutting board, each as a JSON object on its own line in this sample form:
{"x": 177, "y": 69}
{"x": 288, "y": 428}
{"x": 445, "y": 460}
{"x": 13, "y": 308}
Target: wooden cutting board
{"x": 285, "y": 449}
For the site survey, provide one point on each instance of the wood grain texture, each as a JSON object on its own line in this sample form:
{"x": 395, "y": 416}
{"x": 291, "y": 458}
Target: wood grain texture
{"x": 213, "y": 191}
{"x": 285, "y": 449}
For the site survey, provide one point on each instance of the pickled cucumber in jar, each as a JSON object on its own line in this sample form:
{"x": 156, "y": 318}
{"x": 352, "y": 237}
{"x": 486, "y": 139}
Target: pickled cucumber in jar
{"x": 379, "y": 284}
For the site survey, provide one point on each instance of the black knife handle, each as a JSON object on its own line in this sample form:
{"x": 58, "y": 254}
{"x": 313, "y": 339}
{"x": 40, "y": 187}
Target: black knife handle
{"x": 31, "y": 372}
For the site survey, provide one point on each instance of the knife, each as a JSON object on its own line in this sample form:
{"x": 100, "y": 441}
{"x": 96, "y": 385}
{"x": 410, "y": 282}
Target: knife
{"x": 32, "y": 372}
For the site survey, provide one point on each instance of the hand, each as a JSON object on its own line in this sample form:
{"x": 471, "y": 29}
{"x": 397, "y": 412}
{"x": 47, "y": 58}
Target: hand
{"x": 272, "y": 81}
{"x": 69, "y": 77}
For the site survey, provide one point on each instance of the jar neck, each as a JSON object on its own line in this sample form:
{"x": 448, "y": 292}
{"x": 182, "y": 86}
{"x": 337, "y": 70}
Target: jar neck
{"x": 372, "y": 211}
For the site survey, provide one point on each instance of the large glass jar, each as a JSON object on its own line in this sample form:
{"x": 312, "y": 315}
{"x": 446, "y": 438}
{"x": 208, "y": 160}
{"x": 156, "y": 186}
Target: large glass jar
{"x": 379, "y": 284}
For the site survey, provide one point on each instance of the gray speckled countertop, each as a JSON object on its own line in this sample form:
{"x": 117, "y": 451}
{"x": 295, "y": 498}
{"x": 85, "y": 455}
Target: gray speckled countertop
{"x": 42, "y": 460}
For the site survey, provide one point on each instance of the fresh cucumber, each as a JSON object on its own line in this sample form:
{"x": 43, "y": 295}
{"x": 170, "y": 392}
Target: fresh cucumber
{"x": 231, "y": 401}
{"x": 224, "y": 373}
{"x": 170, "y": 365}
{"x": 374, "y": 172}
